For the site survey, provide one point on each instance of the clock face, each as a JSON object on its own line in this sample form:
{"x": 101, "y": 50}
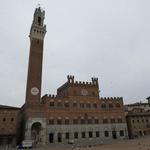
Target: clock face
{"x": 84, "y": 92}
{"x": 34, "y": 91}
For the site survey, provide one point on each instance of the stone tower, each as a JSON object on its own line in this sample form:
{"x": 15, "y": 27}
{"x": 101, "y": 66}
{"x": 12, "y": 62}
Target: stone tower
{"x": 34, "y": 78}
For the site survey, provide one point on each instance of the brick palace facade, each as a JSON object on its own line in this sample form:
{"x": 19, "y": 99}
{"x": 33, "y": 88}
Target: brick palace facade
{"x": 76, "y": 114}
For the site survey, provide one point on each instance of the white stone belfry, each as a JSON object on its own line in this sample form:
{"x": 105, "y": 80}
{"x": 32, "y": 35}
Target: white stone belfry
{"x": 38, "y": 29}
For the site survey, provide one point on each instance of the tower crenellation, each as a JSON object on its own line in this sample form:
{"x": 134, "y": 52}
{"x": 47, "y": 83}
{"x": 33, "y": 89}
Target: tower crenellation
{"x": 71, "y": 80}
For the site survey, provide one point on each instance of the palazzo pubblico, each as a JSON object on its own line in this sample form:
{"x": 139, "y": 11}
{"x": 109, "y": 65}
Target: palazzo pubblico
{"x": 76, "y": 114}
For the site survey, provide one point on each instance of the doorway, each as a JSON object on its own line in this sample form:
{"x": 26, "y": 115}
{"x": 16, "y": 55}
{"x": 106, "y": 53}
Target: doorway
{"x": 51, "y": 138}
{"x": 59, "y": 137}
{"x": 114, "y": 135}
{"x": 36, "y": 132}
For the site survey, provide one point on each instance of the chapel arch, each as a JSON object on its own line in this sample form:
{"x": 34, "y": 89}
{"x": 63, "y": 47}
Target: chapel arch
{"x": 36, "y": 129}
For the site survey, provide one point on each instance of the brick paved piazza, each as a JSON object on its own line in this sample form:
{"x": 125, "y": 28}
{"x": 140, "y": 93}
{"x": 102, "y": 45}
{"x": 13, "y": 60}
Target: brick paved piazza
{"x": 136, "y": 144}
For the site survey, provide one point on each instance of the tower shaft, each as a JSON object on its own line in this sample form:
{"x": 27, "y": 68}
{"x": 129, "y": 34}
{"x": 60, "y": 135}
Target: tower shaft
{"x": 34, "y": 78}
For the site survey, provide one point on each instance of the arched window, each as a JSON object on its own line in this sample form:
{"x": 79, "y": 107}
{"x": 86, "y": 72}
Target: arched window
{"x": 110, "y": 105}
{"x": 51, "y": 121}
{"x": 74, "y": 104}
{"x": 96, "y": 121}
{"x": 88, "y": 105}
{"x": 82, "y": 105}
{"x": 103, "y": 106}
{"x": 59, "y": 121}
{"x": 75, "y": 121}
{"x": 82, "y": 121}
{"x": 105, "y": 120}
{"x": 93, "y": 93}
{"x": 39, "y": 20}
{"x": 112, "y": 120}
{"x": 117, "y": 105}
{"x": 89, "y": 121}
{"x": 59, "y": 104}
{"x": 51, "y": 104}
{"x": 119, "y": 120}
{"x": 66, "y": 104}
{"x": 75, "y": 92}
{"x": 94, "y": 105}
{"x": 66, "y": 121}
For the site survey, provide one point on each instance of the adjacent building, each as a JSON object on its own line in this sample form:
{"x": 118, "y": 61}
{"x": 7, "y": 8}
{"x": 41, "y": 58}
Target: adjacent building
{"x": 8, "y": 124}
{"x": 138, "y": 119}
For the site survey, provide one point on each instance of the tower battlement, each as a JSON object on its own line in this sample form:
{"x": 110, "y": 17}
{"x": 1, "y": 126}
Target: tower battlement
{"x": 70, "y": 80}
{"x": 112, "y": 99}
{"x": 72, "y": 87}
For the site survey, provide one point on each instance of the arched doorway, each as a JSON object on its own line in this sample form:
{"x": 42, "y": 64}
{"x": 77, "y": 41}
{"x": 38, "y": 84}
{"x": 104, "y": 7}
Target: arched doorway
{"x": 36, "y": 132}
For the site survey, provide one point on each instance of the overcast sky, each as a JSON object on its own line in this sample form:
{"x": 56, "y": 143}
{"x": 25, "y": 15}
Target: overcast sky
{"x": 108, "y": 39}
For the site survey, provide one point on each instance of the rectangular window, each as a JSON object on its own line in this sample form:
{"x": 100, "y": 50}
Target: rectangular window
{"x": 97, "y": 133}
{"x": 76, "y": 135}
{"x": 83, "y": 134}
{"x": 121, "y": 133}
{"x": 67, "y": 135}
{"x": 90, "y": 134}
{"x": 106, "y": 133}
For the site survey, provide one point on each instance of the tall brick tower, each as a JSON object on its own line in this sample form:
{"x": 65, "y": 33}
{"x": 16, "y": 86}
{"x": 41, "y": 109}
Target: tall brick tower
{"x": 34, "y": 79}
